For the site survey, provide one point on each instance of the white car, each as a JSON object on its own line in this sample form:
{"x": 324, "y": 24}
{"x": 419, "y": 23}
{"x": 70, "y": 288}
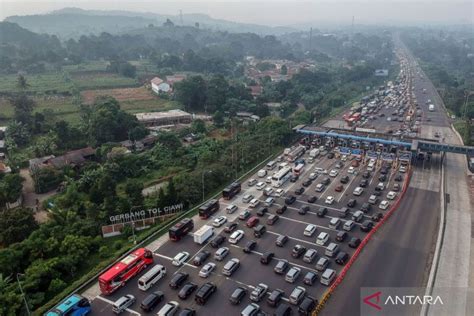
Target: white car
{"x": 391, "y": 195}
{"x": 236, "y": 236}
{"x": 333, "y": 173}
{"x": 358, "y": 191}
{"x": 343, "y": 157}
{"x": 268, "y": 191}
{"x": 329, "y": 200}
{"x": 313, "y": 175}
{"x": 279, "y": 192}
{"x": 319, "y": 187}
{"x": 260, "y": 185}
{"x": 207, "y": 269}
{"x": 254, "y": 203}
{"x": 403, "y": 169}
{"x": 169, "y": 308}
{"x": 351, "y": 170}
{"x": 384, "y": 205}
{"x": 320, "y": 170}
{"x": 180, "y": 258}
{"x": 247, "y": 198}
{"x": 219, "y": 221}
{"x": 309, "y": 230}
{"x": 269, "y": 201}
{"x": 231, "y": 208}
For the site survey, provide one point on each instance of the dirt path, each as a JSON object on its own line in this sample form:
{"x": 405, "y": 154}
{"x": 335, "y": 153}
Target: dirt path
{"x": 32, "y": 199}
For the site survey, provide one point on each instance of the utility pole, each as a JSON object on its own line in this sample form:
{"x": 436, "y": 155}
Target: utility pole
{"x": 23, "y": 293}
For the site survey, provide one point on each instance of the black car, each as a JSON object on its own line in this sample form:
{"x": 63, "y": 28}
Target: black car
{"x": 384, "y": 171}
{"x": 365, "y": 207}
{"x": 330, "y": 155}
{"x": 187, "y": 290}
{"x": 307, "y": 183}
{"x": 322, "y": 211}
{"x": 303, "y": 210}
{"x": 354, "y": 242}
{"x": 237, "y": 296}
{"x": 230, "y": 227}
{"x": 399, "y": 178}
{"x": 275, "y": 297}
{"x": 187, "y": 312}
{"x": 290, "y": 200}
{"x": 343, "y": 212}
{"x": 382, "y": 178}
{"x": 151, "y": 301}
{"x": 312, "y": 199}
{"x": 201, "y": 257}
{"x": 204, "y": 293}
{"x": 216, "y": 242}
{"x": 363, "y": 183}
{"x": 377, "y": 193}
{"x": 266, "y": 258}
{"x": 307, "y": 306}
{"x": 367, "y": 226}
{"x": 366, "y": 175}
{"x": 282, "y": 209}
{"x": 281, "y": 240}
{"x": 341, "y": 236}
{"x": 262, "y": 211}
{"x": 351, "y": 203}
{"x": 178, "y": 279}
{"x": 250, "y": 246}
{"x": 299, "y": 191}
{"x": 294, "y": 178}
{"x": 377, "y": 217}
{"x": 326, "y": 181}
{"x": 281, "y": 267}
{"x": 310, "y": 278}
{"x": 298, "y": 251}
{"x": 344, "y": 179}
{"x": 342, "y": 258}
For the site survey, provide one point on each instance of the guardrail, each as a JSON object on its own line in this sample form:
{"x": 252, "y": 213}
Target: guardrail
{"x": 364, "y": 242}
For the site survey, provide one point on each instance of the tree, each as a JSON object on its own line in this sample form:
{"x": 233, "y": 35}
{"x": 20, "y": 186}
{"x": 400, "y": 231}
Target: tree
{"x": 23, "y": 107}
{"x": 169, "y": 140}
{"x": 134, "y": 189}
{"x": 218, "y": 119}
{"x": 10, "y": 189}
{"x": 76, "y": 247}
{"x": 16, "y": 225}
{"x": 192, "y": 92}
{"x": 21, "y": 82}
{"x": 17, "y": 133}
{"x": 284, "y": 70}
{"x": 198, "y": 126}
{"x": 217, "y": 91}
{"x": 45, "y": 145}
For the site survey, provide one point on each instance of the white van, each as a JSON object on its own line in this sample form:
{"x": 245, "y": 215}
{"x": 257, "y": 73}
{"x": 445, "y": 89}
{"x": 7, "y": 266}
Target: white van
{"x": 323, "y": 237}
{"x": 151, "y": 277}
{"x": 254, "y": 203}
{"x": 252, "y": 182}
{"x": 271, "y": 164}
{"x": 262, "y": 173}
{"x": 348, "y": 226}
{"x": 332, "y": 250}
{"x": 328, "y": 276}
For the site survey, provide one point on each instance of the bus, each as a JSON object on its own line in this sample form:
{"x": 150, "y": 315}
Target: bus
{"x": 124, "y": 270}
{"x": 206, "y": 210}
{"x": 281, "y": 176}
{"x": 295, "y": 153}
{"x": 298, "y": 169}
{"x": 229, "y": 192}
{"x": 74, "y": 305}
{"x": 181, "y": 229}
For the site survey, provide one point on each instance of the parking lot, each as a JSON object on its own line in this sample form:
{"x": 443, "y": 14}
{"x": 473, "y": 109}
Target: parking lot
{"x": 291, "y": 223}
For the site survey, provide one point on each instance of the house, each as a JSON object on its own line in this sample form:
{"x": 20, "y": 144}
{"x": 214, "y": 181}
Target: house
{"x": 171, "y": 117}
{"x": 247, "y": 116}
{"x": 381, "y": 72}
{"x": 4, "y": 168}
{"x": 74, "y": 158}
{"x": 256, "y": 90}
{"x": 145, "y": 143}
{"x": 158, "y": 85}
{"x": 171, "y": 80}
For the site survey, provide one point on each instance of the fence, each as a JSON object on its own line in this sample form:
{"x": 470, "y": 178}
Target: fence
{"x": 364, "y": 242}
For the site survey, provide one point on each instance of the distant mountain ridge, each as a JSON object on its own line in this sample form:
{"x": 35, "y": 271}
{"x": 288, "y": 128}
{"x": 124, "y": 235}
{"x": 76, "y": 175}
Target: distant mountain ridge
{"x": 74, "y": 22}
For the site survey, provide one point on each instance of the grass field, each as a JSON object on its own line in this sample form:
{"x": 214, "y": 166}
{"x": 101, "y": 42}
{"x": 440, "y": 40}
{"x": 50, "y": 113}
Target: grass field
{"x": 121, "y": 94}
{"x": 52, "y": 83}
{"x": 97, "y": 65}
{"x": 100, "y": 80}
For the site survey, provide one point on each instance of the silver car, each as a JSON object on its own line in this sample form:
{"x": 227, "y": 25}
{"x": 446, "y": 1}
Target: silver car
{"x": 221, "y": 253}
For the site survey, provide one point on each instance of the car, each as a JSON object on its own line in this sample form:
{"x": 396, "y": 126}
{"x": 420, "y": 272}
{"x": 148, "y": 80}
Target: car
{"x": 204, "y": 293}
{"x": 299, "y": 191}
{"x": 297, "y": 295}
{"x": 326, "y": 181}
{"x": 187, "y": 290}
{"x": 219, "y": 221}
{"x": 367, "y": 226}
{"x": 231, "y": 208}
{"x": 272, "y": 219}
{"x": 341, "y": 236}
{"x": 221, "y": 253}
{"x": 330, "y": 156}
{"x": 377, "y": 193}
{"x": 310, "y": 255}
{"x": 310, "y": 278}
{"x": 281, "y": 266}
{"x": 342, "y": 258}
{"x": 348, "y": 225}
{"x": 303, "y": 210}
{"x": 340, "y": 164}
{"x": 366, "y": 207}
{"x": 344, "y": 179}
{"x": 319, "y": 187}
{"x": 292, "y": 274}
{"x": 279, "y": 192}
{"x": 294, "y": 178}
{"x": 238, "y": 295}
{"x": 322, "y": 264}
{"x": 262, "y": 211}
{"x": 178, "y": 279}
{"x": 247, "y": 198}
{"x": 366, "y": 174}
{"x": 281, "y": 240}
{"x": 396, "y": 187}
{"x": 351, "y": 170}
{"x": 377, "y": 217}
{"x": 290, "y": 200}
{"x": 402, "y": 169}
{"x": 169, "y": 308}
{"x": 269, "y": 201}
{"x": 313, "y": 176}
{"x": 391, "y": 195}
{"x": 216, "y": 242}
{"x": 380, "y": 186}
{"x": 373, "y": 199}
{"x": 250, "y": 310}
{"x": 384, "y": 205}
{"x": 312, "y": 199}
{"x": 399, "y": 178}
{"x": 309, "y": 230}
{"x": 207, "y": 269}
{"x": 259, "y": 231}
{"x": 358, "y": 191}
{"x": 180, "y": 258}
{"x": 251, "y": 244}
{"x": 275, "y": 297}
{"x": 258, "y": 292}
{"x": 236, "y": 236}
{"x": 357, "y": 216}
{"x": 329, "y": 200}
{"x": 230, "y": 227}
{"x": 307, "y": 183}
{"x": 281, "y": 209}
{"x": 260, "y": 186}
{"x": 355, "y": 164}
{"x": 268, "y": 191}
{"x": 298, "y": 251}
{"x": 333, "y": 173}
{"x": 267, "y": 257}
{"x": 343, "y": 212}
{"x": 339, "y": 188}
{"x": 231, "y": 266}
{"x": 151, "y": 301}
{"x": 252, "y": 221}
{"x": 351, "y": 203}
{"x": 322, "y": 211}
{"x": 354, "y": 242}
{"x": 308, "y": 304}
{"x": 201, "y": 257}
{"x": 322, "y": 238}
{"x": 123, "y": 303}
{"x": 254, "y": 203}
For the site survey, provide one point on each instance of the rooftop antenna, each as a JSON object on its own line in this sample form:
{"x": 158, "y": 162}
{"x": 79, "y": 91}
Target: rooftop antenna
{"x": 181, "y": 17}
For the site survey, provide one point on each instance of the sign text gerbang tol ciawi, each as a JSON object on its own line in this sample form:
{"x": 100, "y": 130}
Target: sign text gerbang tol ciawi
{"x": 148, "y": 213}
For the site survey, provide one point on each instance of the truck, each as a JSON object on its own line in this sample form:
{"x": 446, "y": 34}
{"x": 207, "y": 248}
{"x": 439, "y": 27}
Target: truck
{"x": 314, "y": 153}
{"x": 203, "y": 234}
{"x": 431, "y": 107}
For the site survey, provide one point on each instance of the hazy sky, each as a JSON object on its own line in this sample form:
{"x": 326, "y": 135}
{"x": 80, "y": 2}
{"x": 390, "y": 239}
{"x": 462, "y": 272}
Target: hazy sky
{"x": 275, "y": 12}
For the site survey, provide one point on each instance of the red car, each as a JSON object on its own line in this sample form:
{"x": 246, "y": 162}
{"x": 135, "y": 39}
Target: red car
{"x": 338, "y": 188}
{"x": 252, "y": 221}
{"x": 355, "y": 164}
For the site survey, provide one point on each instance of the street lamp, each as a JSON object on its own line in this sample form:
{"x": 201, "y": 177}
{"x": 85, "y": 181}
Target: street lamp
{"x": 133, "y": 232}
{"x": 202, "y": 181}
{"x": 22, "y": 293}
